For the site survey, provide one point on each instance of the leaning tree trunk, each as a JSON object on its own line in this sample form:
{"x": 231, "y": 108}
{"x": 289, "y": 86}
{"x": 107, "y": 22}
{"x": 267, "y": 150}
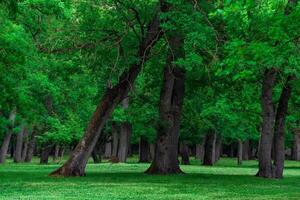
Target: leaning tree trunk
{"x": 7, "y": 137}
{"x": 279, "y": 132}
{"x": 144, "y": 150}
{"x": 184, "y": 152}
{"x": 75, "y": 165}
{"x": 31, "y": 146}
{"x": 209, "y": 149}
{"x": 170, "y": 106}
{"x": 240, "y": 153}
{"x": 19, "y": 146}
{"x": 266, "y": 139}
{"x": 296, "y": 145}
{"x": 44, "y": 157}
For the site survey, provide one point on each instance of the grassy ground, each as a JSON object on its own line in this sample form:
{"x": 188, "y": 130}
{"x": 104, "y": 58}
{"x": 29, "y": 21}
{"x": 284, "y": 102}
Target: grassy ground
{"x": 126, "y": 181}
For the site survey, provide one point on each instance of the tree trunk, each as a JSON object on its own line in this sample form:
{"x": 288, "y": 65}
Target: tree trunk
{"x": 240, "y": 153}
{"x": 44, "y": 157}
{"x": 7, "y": 137}
{"x": 31, "y": 146}
{"x": 279, "y": 131}
{"x": 266, "y": 140}
{"x": 25, "y": 145}
{"x": 108, "y": 149}
{"x": 296, "y": 145}
{"x": 170, "y": 106}
{"x": 200, "y": 150}
{"x": 96, "y": 157}
{"x": 115, "y": 136}
{"x": 246, "y": 150}
{"x": 56, "y": 153}
{"x": 231, "y": 150}
{"x": 19, "y": 146}
{"x": 209, "y": 149}
{"x": 184, "y": 152}
{"x": 152, "y": 151}
{"x": 75, "y": 166}
{"x": 124, "y": 141}
{"x": 218, "y": 148}
{"x": 144, "y": 150}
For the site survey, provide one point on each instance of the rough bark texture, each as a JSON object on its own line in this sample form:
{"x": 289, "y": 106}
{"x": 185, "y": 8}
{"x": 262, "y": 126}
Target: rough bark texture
{"x": 7, "y": 137}
{"x": 144, "y": 150}
{"x": 31, "y": 146}
{"x": 240, "y": 153}
{"x": 296, "y": 145}
{"x": 266, "y": 140}
{"x": 209, "y": 149}
{"x": 75, "y": 165}
{"x": 170, "y": 106}
{"x": 184, "y": 152}
{"x": 44, "y": 157}
{"x": 279, "y": 131}
{"x": 19, "y": 146}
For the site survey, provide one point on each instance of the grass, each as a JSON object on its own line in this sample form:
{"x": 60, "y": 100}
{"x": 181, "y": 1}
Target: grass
{"x": 108, "y": 181}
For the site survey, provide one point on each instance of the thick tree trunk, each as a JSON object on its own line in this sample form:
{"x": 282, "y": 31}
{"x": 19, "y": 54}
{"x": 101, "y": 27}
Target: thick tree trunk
{"x": 124, "y": 141}
{"x": 184, "y": 152}
{"x": 200, "y": 150}
{"x": 296, "y": 145}
{"x": 31, "y": 146}
{"x": 75, "y": 166}
{"x": 246, "y": 150}
{"x": 19, "y": 146}
{"x": 170, "y": 106}
{"x": 240, "y": 153}
{"x": 144, "y": 150}
{"x": 115, "y": 142}
{"x": 152, "y": 151}
{"x": 7, "y": 137}
{"x": 209, "y": 149}
{"x": 44, "y": 157}
{"x": 218, "y": 148}
{"x": 266, "y": 140}
{"x": 279, "y": 131}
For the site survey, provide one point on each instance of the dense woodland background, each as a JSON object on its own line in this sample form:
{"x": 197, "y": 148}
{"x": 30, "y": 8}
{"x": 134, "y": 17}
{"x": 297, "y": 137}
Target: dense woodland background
{"x": 165, "y": 79}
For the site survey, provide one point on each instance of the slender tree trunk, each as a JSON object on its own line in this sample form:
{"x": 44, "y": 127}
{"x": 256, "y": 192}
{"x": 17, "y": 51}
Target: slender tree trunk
{"x": 44, "y": 157}
{"x": 144, "y": 150}
{"x": 31, "y": 146}
{"x": 246, "y": 150}
{"x": 209, "y": 149}
{"x": 240, "y": 153}
{"x": 266, "y": 140}
{"x": 296, "y": 145}
{"x": 108, "y": 149}
{"x": 218, "y": 148}
{"x": 231, "y": 150}
{"x": 56, "y": 153}
{"x": 75, "y": 166}
{"x": 19, "y": 146}
{"x": 115, "y": 136}
{"x": 184, "y": 152}
{"x": 279, "y": 131}
{"x": 200, "y": 150}
{"x": 7, "y": 137}
{"x": 25, "y": 145}
{"x": 170, "y": 106}
{"x": 124, "y": 141}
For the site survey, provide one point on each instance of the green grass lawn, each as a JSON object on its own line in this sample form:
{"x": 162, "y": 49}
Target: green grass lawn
{"x": 108, "y": 181}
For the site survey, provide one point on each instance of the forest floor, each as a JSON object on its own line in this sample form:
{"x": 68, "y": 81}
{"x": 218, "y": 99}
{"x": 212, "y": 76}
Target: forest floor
{"x": 108, "y": 181}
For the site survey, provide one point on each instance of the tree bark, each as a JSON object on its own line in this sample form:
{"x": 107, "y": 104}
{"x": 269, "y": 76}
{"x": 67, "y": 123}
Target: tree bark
{"x": 44, "y": 157}
{"x": 19, "y": 146}
{"x": 200, "y": 150}
{"x": 279, "y": 131}
{"x": 184, "y": 152}
{"x": 296, "y": 145}
{"x": 115, "y": 136}
{"x": 240, "y": 153}
{"x": 170, "y": 106}
{"x": 124, "y": 141}
{"x": 75, "y": 166}
{"x": 144, "y": 150}
{"x": 246, "y": 150}
{"x": 108, "y": 149}
{"x": 56, "y": 153}
{"x": 209, "y": 149}
{"x": 7, "y": 137}
{"x": 266, "y": 140}
{"x": 152, "y": 151}
{"x": 218, "y": 148}
{"x": 31, "y": 146}
{"x": 25, "y": 145}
